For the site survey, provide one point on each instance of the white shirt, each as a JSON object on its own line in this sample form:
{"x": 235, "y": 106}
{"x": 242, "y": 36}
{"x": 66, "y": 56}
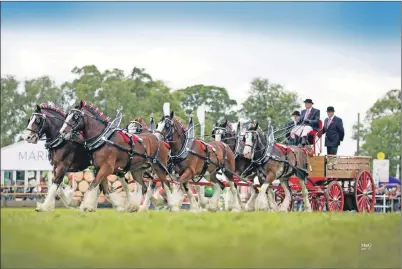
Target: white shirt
{"x": 329, "y": 121}
{"x": 307, "y": 113}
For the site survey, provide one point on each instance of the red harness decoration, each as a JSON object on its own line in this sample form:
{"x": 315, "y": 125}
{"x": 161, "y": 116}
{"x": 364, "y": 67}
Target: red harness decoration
{"x": 166, "y": 144}
{"x": 202, "y": 145}
{"x": 127, "y": 139}
{"x": 282, "y": 148}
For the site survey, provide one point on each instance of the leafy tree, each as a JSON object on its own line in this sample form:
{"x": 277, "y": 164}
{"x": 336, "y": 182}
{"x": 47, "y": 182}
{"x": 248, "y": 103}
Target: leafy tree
{"x": 138, "y": 93}
{"x": 269, "y": 100}
{"x": 218, "y": 104}
{"x": 10, "y": 113}
{"x": 381, "y": 130}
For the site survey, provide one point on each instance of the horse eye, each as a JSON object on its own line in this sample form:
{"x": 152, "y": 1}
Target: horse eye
{"x": 76, "y": 117}
{"x": 37, "y": 121}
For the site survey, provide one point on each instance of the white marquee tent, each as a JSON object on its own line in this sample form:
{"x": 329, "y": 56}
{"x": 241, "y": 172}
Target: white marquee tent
{"x": 24, "y": 156}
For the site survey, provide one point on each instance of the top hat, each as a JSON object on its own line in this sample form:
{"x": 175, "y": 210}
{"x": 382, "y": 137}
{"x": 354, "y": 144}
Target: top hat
{"x": 308, "y": 100}
{"x": 330, "y": 109}
{"x": 296, "y": 113}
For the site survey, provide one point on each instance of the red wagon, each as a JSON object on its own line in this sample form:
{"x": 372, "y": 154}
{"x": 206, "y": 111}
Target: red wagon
{"x": 337, "y": 182}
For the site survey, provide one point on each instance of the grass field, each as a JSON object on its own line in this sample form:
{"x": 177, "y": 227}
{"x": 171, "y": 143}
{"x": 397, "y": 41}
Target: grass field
{"x": 66, "y": 238}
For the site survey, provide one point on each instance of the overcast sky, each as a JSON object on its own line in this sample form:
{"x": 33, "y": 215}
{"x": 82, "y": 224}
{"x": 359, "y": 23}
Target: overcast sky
{"x": 343, "y": 54}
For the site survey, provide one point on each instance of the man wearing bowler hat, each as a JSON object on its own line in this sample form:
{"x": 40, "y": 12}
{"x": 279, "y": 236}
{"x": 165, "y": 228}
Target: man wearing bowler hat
{"x": 310, "y": 116}
{"x": 333, "y": 130}
{"x": 289, "y": 125}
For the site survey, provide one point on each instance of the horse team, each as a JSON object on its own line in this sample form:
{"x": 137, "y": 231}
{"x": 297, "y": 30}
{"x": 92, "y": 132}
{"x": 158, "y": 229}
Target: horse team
{"x": 168, "y": 150}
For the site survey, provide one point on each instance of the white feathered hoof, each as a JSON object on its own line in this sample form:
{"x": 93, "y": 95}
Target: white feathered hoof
{"x": 174, "y": 209}
{"x": 235, "y": 210}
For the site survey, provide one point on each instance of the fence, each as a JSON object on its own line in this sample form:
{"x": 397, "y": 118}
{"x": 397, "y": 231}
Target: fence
{"x": 384, "y": 203}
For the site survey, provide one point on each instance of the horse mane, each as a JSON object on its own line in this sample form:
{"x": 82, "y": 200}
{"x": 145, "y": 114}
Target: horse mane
{"x": 53, "y": 108}
{"x": 95, "y": 110}
{"x": 141, "y": 121}
{"x": 180, "y": 123}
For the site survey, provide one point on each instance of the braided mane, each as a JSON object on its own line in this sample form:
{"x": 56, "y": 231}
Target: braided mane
{"x": 53, "y": 108}
{"x": 96, "y": 110}
{"x": 180, "y": 123}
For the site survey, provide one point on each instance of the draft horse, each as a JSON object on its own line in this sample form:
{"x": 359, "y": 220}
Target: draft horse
{"x": 115, "y": 151}
{"x": 223, "y": 131}
{"x": 275, "y": 161}
{"x": 65, "y": 156}
{"x": 191, "y": 158}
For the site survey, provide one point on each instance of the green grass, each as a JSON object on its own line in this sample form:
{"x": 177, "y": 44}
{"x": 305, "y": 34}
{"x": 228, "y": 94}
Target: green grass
{"x": 66, "y": 238}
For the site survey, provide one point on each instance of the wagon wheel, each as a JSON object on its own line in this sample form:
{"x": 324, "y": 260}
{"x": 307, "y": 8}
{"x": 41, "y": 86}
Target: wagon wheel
{"x": 364, "y": 192}
{"x": 280, "y": 196}
{"x": 335, "y": 198}
{"x": 317, "y": 202}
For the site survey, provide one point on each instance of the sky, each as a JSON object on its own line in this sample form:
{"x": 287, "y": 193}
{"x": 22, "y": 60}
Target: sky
{"x": 341, "y": 54}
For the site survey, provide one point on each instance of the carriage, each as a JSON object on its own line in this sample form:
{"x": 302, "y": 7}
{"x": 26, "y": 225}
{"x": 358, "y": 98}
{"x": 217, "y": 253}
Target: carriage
{"x": 335, "y": 182}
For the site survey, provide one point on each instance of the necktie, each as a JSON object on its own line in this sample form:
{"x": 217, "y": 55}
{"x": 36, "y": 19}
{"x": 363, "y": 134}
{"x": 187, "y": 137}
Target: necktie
{"x": 307, "y": 113}
{"x": 329, "y": 122}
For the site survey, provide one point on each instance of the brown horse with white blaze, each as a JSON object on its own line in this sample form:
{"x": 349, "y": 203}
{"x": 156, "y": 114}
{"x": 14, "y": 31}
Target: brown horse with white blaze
{"x": 192, "y": 158}
{"x": 115, "y": 151}
{"x": 276, "y": 161}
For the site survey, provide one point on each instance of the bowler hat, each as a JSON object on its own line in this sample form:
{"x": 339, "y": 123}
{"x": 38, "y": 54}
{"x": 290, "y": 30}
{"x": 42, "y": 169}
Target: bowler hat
{"x": 308, "y": 100}
{"x": 330, "y": 109}
{"x": 296, "y": 113}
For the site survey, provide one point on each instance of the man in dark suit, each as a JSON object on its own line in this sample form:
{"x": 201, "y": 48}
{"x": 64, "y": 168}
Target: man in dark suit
{"x": 289, "y": 126}
{"x": 333, "y": 130}
{"x": 310, "y": 116}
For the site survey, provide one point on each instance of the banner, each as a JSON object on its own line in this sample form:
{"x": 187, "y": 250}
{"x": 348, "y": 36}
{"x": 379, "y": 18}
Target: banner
{"x": 380, "y": 170}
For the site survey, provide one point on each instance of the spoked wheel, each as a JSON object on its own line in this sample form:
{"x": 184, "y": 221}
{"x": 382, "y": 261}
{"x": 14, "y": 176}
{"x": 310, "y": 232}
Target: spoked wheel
{"x": 280, "y": 196}
{"x": 317, "y": 201}
{"x": 364, "y": 192}
{"x": 335, "y": 198}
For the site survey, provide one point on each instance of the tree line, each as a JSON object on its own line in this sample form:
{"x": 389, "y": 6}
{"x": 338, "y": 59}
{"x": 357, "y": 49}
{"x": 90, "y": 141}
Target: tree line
{"x": 143, "y": 96}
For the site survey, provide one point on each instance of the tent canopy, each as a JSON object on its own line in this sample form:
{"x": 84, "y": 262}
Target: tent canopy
{"x": 25, "y": 156}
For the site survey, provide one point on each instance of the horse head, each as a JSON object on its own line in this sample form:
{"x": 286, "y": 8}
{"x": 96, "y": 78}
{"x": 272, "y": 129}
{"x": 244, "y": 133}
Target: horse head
{"x": 45, "y": 120}
{"x": 86, "y": 118}
{"x": 254, "y": 141}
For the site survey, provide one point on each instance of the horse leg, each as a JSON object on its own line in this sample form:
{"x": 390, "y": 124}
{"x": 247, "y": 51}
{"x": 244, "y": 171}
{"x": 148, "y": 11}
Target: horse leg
{"x": 213, "y": 205}
{"x": 147, "y": 201}
{"x": 238, "y": 206}
{"x": 135, "y": 197}
{"x": 261, "y": 203}
{"x": 250, "y": 205}
{"x": 50, "y": 200}
{"x": 288, "y": 197}
{"x": 306, "y": 201}
{"x": 202, "y": 200}
{"x": 194, "y": 207}
{"x": 125, "y": 188}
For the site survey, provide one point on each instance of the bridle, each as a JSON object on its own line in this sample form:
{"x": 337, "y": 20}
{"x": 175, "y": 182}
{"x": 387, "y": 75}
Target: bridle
{"x": 167, "y": 135}
{"x": 258, "y": 141}
{"x": 40, "y": 121}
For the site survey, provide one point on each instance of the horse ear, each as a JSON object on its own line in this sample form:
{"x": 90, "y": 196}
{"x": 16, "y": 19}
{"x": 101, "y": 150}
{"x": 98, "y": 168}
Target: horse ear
{"x": 256, "y": 125}
{"x": 171, "y": 115}
{"x": 226, "y": 121}
{"x": 37, "y": 109}
{"x": 82, "y": 103}
{"x": 216, "y": 124}
{"x": 238, "y": 128}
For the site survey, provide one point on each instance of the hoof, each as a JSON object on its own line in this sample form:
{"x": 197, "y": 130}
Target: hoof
{"x": 174, "y": 209}
{"x": 195, "y": 210}
{"x": 308, "y": 210}
{"x": 120, "y": 209}
{"x": 235, "y": 210}
{"x": 143, "y": 209}
{"x": 39, "y": 209}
